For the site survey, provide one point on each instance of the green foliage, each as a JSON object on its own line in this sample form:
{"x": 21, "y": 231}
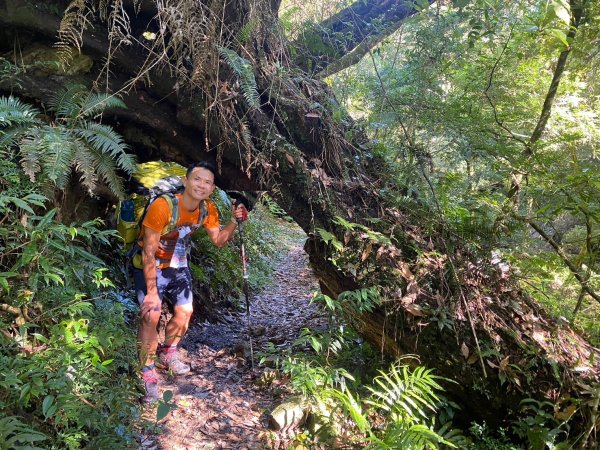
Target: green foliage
{"x": 16, "y": 435}
{"x": 403, "y": 405}
{"x": 71, "y": 142}
{"x": 403, "y": 394}
{"x": 244, "y": 33}
{"x": 66, "y": 350}
{"x": 452, "y": 101}
{"x": 273, "y": 208}
{"x": 539, "y": 426}
{"x": 266, "y": 239}
{"x": 165, "y": 405}
{"x": 485, "y": 439}
{"x": 243, "y": 69}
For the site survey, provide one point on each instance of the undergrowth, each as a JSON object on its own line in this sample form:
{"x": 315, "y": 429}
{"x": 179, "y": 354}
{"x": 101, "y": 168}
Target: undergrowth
{"x": 66, "y": 351}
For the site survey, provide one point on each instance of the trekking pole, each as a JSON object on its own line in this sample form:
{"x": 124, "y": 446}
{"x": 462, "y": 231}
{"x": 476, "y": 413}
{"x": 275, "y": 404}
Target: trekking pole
{"x": 246, "y": 289}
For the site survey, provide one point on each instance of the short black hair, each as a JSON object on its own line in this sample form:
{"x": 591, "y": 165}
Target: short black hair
{"x": 204, "y": 165}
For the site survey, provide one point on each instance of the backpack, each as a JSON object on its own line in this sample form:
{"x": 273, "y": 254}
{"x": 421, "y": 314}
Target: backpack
{"x": 132, "y": 211}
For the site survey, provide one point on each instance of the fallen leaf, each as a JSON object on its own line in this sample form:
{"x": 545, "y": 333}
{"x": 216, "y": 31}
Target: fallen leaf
{"x": 405, "y": 271}
{"x": 464, "y": 350}
{"x": 538, "y": 335}
{"x": 290, "y": 159}
{"x": 408, "y": 299}
{"x": 414, "y": 310}
{"x": 472, "y": 359}
{"x": 366, "y": 252}
{"x": 566, "y": 413}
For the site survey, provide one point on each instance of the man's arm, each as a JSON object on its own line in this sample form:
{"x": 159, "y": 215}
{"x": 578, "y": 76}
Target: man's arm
{"x": 151, "y": 301}
{"x": 220, "y": 237}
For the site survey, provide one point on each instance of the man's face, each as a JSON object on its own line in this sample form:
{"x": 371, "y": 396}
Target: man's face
{"x": 200, "y": 183}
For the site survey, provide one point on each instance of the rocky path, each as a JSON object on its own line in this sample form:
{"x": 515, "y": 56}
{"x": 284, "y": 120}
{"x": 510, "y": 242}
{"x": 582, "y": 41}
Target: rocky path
{"x": 222, "y": 402}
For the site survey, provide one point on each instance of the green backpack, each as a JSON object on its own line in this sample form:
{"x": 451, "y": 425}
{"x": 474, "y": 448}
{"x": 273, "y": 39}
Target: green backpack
{"x": 132, "y": 211}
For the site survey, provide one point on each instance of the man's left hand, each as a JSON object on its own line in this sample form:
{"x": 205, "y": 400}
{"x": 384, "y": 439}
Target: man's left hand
{"x": 240, "y": 213}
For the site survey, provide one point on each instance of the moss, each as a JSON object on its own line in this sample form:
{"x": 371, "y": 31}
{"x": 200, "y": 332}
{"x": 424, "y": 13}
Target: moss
{"x": 47, "y": 61}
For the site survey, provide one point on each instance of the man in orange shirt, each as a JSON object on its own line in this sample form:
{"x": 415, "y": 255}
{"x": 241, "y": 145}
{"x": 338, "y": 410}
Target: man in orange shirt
{"x": 165, "y": 243}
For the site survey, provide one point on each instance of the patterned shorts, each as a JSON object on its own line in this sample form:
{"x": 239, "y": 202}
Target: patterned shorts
{"x": 173, "y": 284}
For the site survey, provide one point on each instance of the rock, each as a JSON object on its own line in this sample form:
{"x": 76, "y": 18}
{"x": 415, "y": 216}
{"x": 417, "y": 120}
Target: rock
{"x": 258, "y": 330}
{"x": 288, "y": 415}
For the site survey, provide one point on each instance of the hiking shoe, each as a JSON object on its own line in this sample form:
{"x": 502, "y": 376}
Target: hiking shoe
{"x": 151, "y": 387}
{"x": 170, "y": 361}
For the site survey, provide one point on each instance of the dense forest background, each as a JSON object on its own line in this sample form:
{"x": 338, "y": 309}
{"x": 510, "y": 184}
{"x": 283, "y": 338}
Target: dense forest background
{"x": 442, "y": 159}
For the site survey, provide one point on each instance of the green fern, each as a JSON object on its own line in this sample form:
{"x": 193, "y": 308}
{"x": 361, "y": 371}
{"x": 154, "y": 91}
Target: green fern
{"x": 243, "y": 69}
{"x": 243, "y": 35}
{"x": 56, "y": 153}
{"x": 404, "y": 436}
{"x": 352, "y": 406}
{"x": 65, "y": 103}
{"x": 95, "y": 151}
{"x": 13, "y": 112}
{"x": 17, "y": 434}
{"x": 94, "y": 103}
{"x": 105, "y": 167}
{"x": 30, "y": 160}
{"x": 406, "y": 395}
{"x": 15, "y": 118}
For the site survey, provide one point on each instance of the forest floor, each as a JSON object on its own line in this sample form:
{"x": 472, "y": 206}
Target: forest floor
{"x": 222, "y": 403}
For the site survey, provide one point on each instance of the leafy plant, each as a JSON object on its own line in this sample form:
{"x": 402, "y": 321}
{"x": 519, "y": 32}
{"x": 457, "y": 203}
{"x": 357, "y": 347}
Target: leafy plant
{"x": 243, "y": 69}
{"x": 66, "y": 350}
{"x": 72, "y": 141}
{"x": 540, "y": 426}
{"x": 14, "y": 434}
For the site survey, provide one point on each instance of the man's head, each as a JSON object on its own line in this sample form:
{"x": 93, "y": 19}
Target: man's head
{"x": 199, "y": 180}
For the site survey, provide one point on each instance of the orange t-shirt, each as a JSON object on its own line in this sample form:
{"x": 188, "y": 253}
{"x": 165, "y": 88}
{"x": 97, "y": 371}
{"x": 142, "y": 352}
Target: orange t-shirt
{"x": 158, "y": 217}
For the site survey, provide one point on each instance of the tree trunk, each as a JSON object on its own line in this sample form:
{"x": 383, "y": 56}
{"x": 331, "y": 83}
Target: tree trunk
{"x": 436, "y": 299}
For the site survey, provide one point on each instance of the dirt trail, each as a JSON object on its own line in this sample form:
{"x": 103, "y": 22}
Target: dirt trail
{"x": 221, "y": 403}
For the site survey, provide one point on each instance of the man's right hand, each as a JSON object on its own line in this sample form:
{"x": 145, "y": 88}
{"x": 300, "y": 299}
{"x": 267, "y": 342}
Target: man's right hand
{"x": 151, "y": 303}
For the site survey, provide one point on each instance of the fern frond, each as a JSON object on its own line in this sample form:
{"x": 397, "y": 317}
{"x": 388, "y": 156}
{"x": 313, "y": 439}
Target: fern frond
{"x": 106, "y": 140}
{"x": 56, "y": 154}
{"x": 74, "y": 22}
{"x": 30, "y": 158}
{"x": 66, "y": 102}
{"x": 48, "y": 151}
{"x": 127, "y": 163}
{"x": 243, "y": 69}
{"x": 13, "y": 112}
{"x": 405, "y": 395}
{"x": 85, "y": 166}
{"x": 244, "y": 33}
{"x": 352, "y": 406}
{"x": 11, "y": 137}
{"x": 95, "y": 103}
{"x": 417, "y": 436}
{"x": 106, "y": 168}
{"x": 453, "y": 436}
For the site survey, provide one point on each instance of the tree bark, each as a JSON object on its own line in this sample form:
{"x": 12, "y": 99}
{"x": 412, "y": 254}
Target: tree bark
{"x": 341, "y": 40}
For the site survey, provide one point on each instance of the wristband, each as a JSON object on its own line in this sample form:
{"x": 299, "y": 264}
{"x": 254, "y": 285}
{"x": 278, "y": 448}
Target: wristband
{"x": 233, "y": 220}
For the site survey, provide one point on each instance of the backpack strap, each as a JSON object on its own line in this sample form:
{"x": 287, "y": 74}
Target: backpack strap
{"x": 203, "y": 212}
{"x": 173, "y": 203}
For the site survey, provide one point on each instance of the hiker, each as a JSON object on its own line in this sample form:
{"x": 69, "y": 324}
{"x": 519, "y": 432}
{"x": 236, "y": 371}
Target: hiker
{"x": 163, "y": 272}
